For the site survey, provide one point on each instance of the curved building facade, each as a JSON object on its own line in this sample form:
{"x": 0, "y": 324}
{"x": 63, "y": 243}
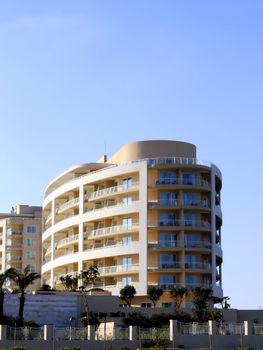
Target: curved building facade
{"x": 150, "y": 215}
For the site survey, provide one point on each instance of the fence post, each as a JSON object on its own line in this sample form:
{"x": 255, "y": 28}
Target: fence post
{"x": 211, "y": 327}
{"x": 48, "y": 331}
{"x": 91, "y": 332}
{"x": 132, "y": 332}
{"x": 173, "y": 329}
{"x": 3, "y": 332}
{"x": 247, "y": 328}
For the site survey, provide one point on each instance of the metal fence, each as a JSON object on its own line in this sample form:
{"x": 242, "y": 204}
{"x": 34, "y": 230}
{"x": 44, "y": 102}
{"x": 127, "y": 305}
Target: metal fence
{"x": 193, "y": 328}
{"x": 230, "y": 329}
{"x": 25, "y": 333}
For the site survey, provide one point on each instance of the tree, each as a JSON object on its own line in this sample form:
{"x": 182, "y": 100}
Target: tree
{"x": 127, "y": 294}
{"x": 23, "y": 280}
{"x": 3, "y": 278}
{"x": 69, "y": 282}
{"x": 201, "y": 299}
{"x": 154, "y": 293}
{"x": 89, "y": 276}
{"x": 178, "y": 295}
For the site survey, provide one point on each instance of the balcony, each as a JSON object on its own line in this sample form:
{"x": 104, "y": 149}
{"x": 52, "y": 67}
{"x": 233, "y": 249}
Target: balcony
{"x": 109, "y": 270}
{"x": 11, "y": 246}
{"x": 171, "y": 265}
{"x": 110, "y": 245}
{"x": 114, "y": 204}
{"x": 14, "y": 233}
{"x": 67, "y": 240}
{"x": 178, "y": 244}
{"x": 179, "y": 203}
{"x": 14, "y": 258}
{"x": 182, "y": 182}
{"x": 198, "y": 266}
{"x": 112, "y": 190}
{"x": 112, "y": 230}
{"x": 67, "y": 205}
{"x": 204, "y": 224}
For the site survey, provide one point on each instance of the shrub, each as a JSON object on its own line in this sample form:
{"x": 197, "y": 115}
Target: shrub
{"x": 68, "y": 348}
{"x": 16, "y": 347}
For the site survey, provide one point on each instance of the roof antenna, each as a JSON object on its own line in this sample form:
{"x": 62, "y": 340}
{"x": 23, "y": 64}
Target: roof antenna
{"x": 105, "y": 154}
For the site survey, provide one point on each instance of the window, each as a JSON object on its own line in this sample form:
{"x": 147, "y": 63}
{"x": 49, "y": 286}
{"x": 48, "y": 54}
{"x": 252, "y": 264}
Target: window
{"x": 31, "y": 268}
{"x": 169, "y": 304}
{"x": 146, "y": 305}
{"x": 168, "y": 198}
{"x": 168, "y": 240}
{"x": 126, "y": 263}
{"x": 190, "y": 281}
{"x": 126, "y": 240}
{"x": 190, "y": 261}
{"x": 190, "y": 240}
{"x": 126, "y": 280}
{"x": 167, "y": 177}
{"x": 190, "y": 199}
{"x": 168, "y": 261}
{"x": 127, "y": 183}
{"x": 31, "y": 229}
{"x": 127, "y": 200}
{"x": 30, "y": 255}
{"x": 189, "y": 179}
{"x": 168, "y": 219}
{"x": 127, "y": 223}
{"x": 189, "y": 220}
{"x": 30, "y": 242}
{"x": 167, "y": 282}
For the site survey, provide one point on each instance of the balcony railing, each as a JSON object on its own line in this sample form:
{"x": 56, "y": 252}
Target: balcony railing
{"x": 66, "y": 240}
{"x": 182, "y": 182}
{"x": 182, "y": 265}
{"x": 69, "y": 204}
{"x": 73, "y": 274}
{"x": 112, "y": 190}
{"x": 14, "y": 258}
{"x": 111, "y": 205}
{"x": 14, "y": 233}
{"x": 184, "y": 223}
{"x": 112, "y": 230}
{"x": 178, "y": 244}
{"x": 110, "y": 245}
{"x": 179, "y": 203}
{"x": 175, "y": 161}
{"x": 108, "y": 270}
{"x": 14, "y": 246}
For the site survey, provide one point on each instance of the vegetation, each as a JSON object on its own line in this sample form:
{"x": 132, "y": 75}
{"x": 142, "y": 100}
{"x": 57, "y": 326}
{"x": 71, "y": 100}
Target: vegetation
{"x": 45, "y": 288}
{"x": 154, "y": 293}
{"x": 202, "y": 297}
{"x": 127, "y": 294}
{"x": 23, "y": 280}
{"x": 178, "y": 295}
{"x": 3, "y": 278}
{"x": 89, "y": 276}
{"x": 16, "y": 347}
{"x": 69, "y": 282}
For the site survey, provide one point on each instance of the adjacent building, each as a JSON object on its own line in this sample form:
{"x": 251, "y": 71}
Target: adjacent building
{"x": 20, "y": 239}
{"x": 150, "y": 215}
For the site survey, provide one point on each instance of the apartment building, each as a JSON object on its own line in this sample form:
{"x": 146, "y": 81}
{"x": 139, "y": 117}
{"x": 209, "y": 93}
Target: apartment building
{"x": 150, "y": 215}
{"x": 20, "y": 239}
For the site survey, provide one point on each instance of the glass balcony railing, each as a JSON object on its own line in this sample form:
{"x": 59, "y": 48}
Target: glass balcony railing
{"x": 112, "y": 190}
{"x": 108, "y": 270}
{"x": 182, "y": 182}
{"x": 67, "y": 240}
{"x": 112, "y": 230}
{"x": 182, "y": 265}
{"x": 69, "y": 204}
{"x": 178, "y": 244}
{"x": 185, "y": 223}
{"x": 179, "y": 203}
{"x": 111, "y": 244}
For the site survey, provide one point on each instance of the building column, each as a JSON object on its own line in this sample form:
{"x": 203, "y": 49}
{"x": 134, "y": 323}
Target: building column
{"x": 48, "y": 331}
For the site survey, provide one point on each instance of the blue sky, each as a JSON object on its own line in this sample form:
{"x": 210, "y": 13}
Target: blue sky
{"x": 78, "y": 75}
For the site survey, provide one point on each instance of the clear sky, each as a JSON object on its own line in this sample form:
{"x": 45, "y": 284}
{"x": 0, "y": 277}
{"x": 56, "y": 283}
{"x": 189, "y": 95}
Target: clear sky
{"x": 78, "y": 75}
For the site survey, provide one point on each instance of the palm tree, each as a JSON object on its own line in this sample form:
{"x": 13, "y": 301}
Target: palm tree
{"x": 178, "y": 295}
{"x": 127, "y": 293}
{"x": 89, "y": 276}
{"x": 154, "y": 293}
{"x": 23, "y": 280}
{"x": 3, "y": 278}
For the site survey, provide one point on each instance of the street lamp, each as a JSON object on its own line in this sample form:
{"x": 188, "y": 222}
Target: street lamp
{"x": 70, "y": 328}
